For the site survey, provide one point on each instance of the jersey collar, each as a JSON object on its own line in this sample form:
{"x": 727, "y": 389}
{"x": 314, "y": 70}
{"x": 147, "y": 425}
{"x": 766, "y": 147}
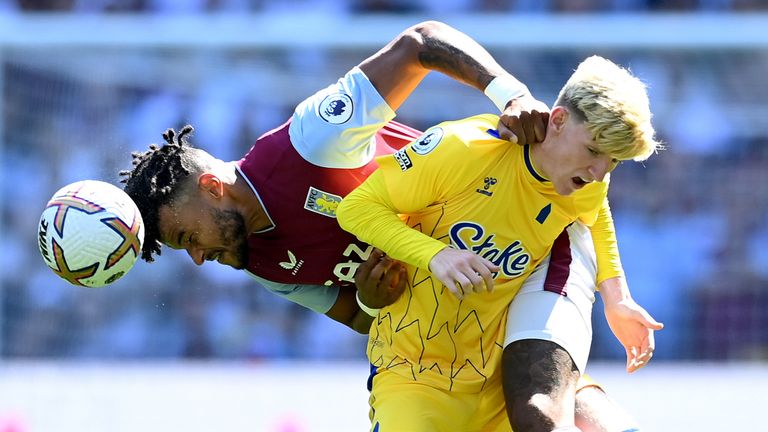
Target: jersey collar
{"x": 272, "y": 224}
{"x": 529, "y": 165}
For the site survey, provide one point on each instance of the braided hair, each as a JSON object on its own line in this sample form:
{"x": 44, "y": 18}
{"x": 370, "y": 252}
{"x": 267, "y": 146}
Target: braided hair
{"x": 157, "y": 176}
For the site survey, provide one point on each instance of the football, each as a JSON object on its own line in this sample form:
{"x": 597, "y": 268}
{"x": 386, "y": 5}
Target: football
{"x": 90, "y": 233}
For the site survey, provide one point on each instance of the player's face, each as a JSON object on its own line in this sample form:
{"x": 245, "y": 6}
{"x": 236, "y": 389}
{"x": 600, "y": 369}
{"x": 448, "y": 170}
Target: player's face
{"x": 571, "y": 158}
{"x": 207, "y": 233}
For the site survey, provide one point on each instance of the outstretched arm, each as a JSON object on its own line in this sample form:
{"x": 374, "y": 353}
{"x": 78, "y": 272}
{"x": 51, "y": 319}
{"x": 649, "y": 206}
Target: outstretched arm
{"x": 400, "y": 66}
{"x": 632, "y": 325}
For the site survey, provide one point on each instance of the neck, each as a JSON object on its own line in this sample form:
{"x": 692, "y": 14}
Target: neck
{"x": 537, "y": 155}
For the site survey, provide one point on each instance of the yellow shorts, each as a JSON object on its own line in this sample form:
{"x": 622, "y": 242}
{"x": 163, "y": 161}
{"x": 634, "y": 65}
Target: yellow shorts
{"x": 400, "y": 404}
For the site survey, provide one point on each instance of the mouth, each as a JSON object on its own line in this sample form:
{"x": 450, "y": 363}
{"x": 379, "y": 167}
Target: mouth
{"x": 579, "y": 182}
{"x": 213, "y": 256}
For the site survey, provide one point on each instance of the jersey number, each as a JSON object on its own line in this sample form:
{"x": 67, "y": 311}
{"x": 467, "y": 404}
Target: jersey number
{"x": 345, "y": 271}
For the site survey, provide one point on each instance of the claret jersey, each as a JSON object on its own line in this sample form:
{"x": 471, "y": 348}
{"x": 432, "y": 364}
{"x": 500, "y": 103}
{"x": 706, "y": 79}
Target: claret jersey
{"x": 459, "y": 185}
{"x": 300, "y": 171}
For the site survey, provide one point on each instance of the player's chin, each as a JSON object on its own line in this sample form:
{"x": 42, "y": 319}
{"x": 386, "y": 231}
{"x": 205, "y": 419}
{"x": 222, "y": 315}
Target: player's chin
{"x": 237, "y": 262}
{"x": 237, "y": 265}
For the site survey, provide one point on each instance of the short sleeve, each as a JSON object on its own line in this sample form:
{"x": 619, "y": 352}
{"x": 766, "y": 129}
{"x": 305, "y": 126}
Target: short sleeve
{"x": 318, "y": 298}
{"x": 335, "y": 127}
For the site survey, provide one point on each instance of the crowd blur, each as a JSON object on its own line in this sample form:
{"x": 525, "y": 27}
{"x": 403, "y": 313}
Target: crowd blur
{"x": 691, "y": 220}
{"x": 387, "y": 6}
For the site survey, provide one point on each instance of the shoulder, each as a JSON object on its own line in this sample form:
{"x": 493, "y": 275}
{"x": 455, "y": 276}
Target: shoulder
{"x": 334, "y": 127}
{"x": 475, "y": 135}
{"x": 338, "y": 103}
{"x": 452, "y": 146}
{"x": 476, "y": 128}
{"x": 469, "y": 131}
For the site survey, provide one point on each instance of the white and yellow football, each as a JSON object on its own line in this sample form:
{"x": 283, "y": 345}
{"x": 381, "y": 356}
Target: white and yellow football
{"x": 90, "y": 233}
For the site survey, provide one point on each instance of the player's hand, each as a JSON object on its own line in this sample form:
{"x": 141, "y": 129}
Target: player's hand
{"x": 634, "y": 327}
{"x": 463, "y": 272}
{"x": 380, "y": 280}
{"x": 524, "y": 121}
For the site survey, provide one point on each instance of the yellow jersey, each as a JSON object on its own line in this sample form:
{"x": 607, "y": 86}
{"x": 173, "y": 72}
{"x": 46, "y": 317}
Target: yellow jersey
{"x": 460, "y": 185}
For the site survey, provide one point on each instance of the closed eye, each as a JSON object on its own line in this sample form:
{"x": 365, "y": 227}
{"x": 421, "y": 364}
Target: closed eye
{"x": 183, "y": 240}
{"x": 178, "y": 244}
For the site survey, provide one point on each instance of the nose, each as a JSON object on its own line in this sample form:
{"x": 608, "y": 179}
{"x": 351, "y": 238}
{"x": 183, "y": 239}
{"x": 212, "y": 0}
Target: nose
{"x": 196, "y": 255}
{"x": 600, "y": 168}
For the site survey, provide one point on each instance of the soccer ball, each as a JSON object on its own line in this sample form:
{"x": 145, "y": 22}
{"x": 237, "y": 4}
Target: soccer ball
{"x": 90, "y": 233}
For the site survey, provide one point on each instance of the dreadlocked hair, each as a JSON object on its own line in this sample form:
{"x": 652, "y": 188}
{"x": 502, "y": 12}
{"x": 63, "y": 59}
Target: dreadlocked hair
{"x": 156, "y": 177}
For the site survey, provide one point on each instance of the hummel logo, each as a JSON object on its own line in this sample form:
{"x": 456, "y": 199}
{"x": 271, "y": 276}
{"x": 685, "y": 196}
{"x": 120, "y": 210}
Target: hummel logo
{"x": 292, "y": 264}
{"x": 487, "y": 184}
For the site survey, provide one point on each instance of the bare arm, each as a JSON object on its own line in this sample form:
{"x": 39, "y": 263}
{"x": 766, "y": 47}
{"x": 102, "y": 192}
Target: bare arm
{"x": 632, "y": 325}
{"x": 380, "y": 281}
{"x": 347, "y": 312}
{"x": 400, "y": 66}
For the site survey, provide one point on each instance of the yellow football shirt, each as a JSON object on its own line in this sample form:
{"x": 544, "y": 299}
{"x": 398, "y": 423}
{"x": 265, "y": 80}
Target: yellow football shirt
{"x": 459, "y": 184}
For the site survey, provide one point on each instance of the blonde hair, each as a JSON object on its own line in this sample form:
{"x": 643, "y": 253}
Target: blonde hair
{"x": 614, "y": 105}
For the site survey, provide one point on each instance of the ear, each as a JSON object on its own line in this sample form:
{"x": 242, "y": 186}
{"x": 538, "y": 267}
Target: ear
{"x": 211, "y": 184}
{"x": 558, "y": 118}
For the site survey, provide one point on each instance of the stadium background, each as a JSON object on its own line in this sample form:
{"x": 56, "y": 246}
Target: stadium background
{"x": 176, "y": 347}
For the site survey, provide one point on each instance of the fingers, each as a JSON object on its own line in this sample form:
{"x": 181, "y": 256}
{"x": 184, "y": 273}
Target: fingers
{"x": 460, "y": 285}
{"x": 643, "y": 358}
{"x": 471, "y": 283}
{"x": 462, "y": 272}
{"x": 383, "y": 284}
{"x": 540, "y": 125}
{"x": 506, "y": 134}
{"x": 651, "y": 323}
{"x": 487, "y": 278}
{"x": 394, "y": 280}
{"x": 630, "y": 359}
{"x": 651, "y": 342}
{"x": 366, "y": 267}
{"x": 476, "y": 280}
{"x": 526, "y": 122}
{"x": 636, "y": 358}
{"x": 453, "y": 286}
{"x": 379, "y": 268}
{"x": 402, "y": 281}
{"x": 639, "y": 356}
{"x": 515, "y": 127}
{"x": 524, "y": 127}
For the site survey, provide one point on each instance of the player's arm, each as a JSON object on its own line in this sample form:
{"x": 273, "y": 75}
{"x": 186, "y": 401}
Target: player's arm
{"x": 398, "y": 68}
{"x": 347, "y": 311}
{"x": 333, "y": 127}
{"x": 379, "y": 280}
{"x": 632, "y": 325}
{"x": 398, "y": 187}
{"x": 370, "y": 213}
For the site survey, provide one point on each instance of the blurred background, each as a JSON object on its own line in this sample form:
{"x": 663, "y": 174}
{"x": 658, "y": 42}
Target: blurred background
{"x": 172, "y": 346}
